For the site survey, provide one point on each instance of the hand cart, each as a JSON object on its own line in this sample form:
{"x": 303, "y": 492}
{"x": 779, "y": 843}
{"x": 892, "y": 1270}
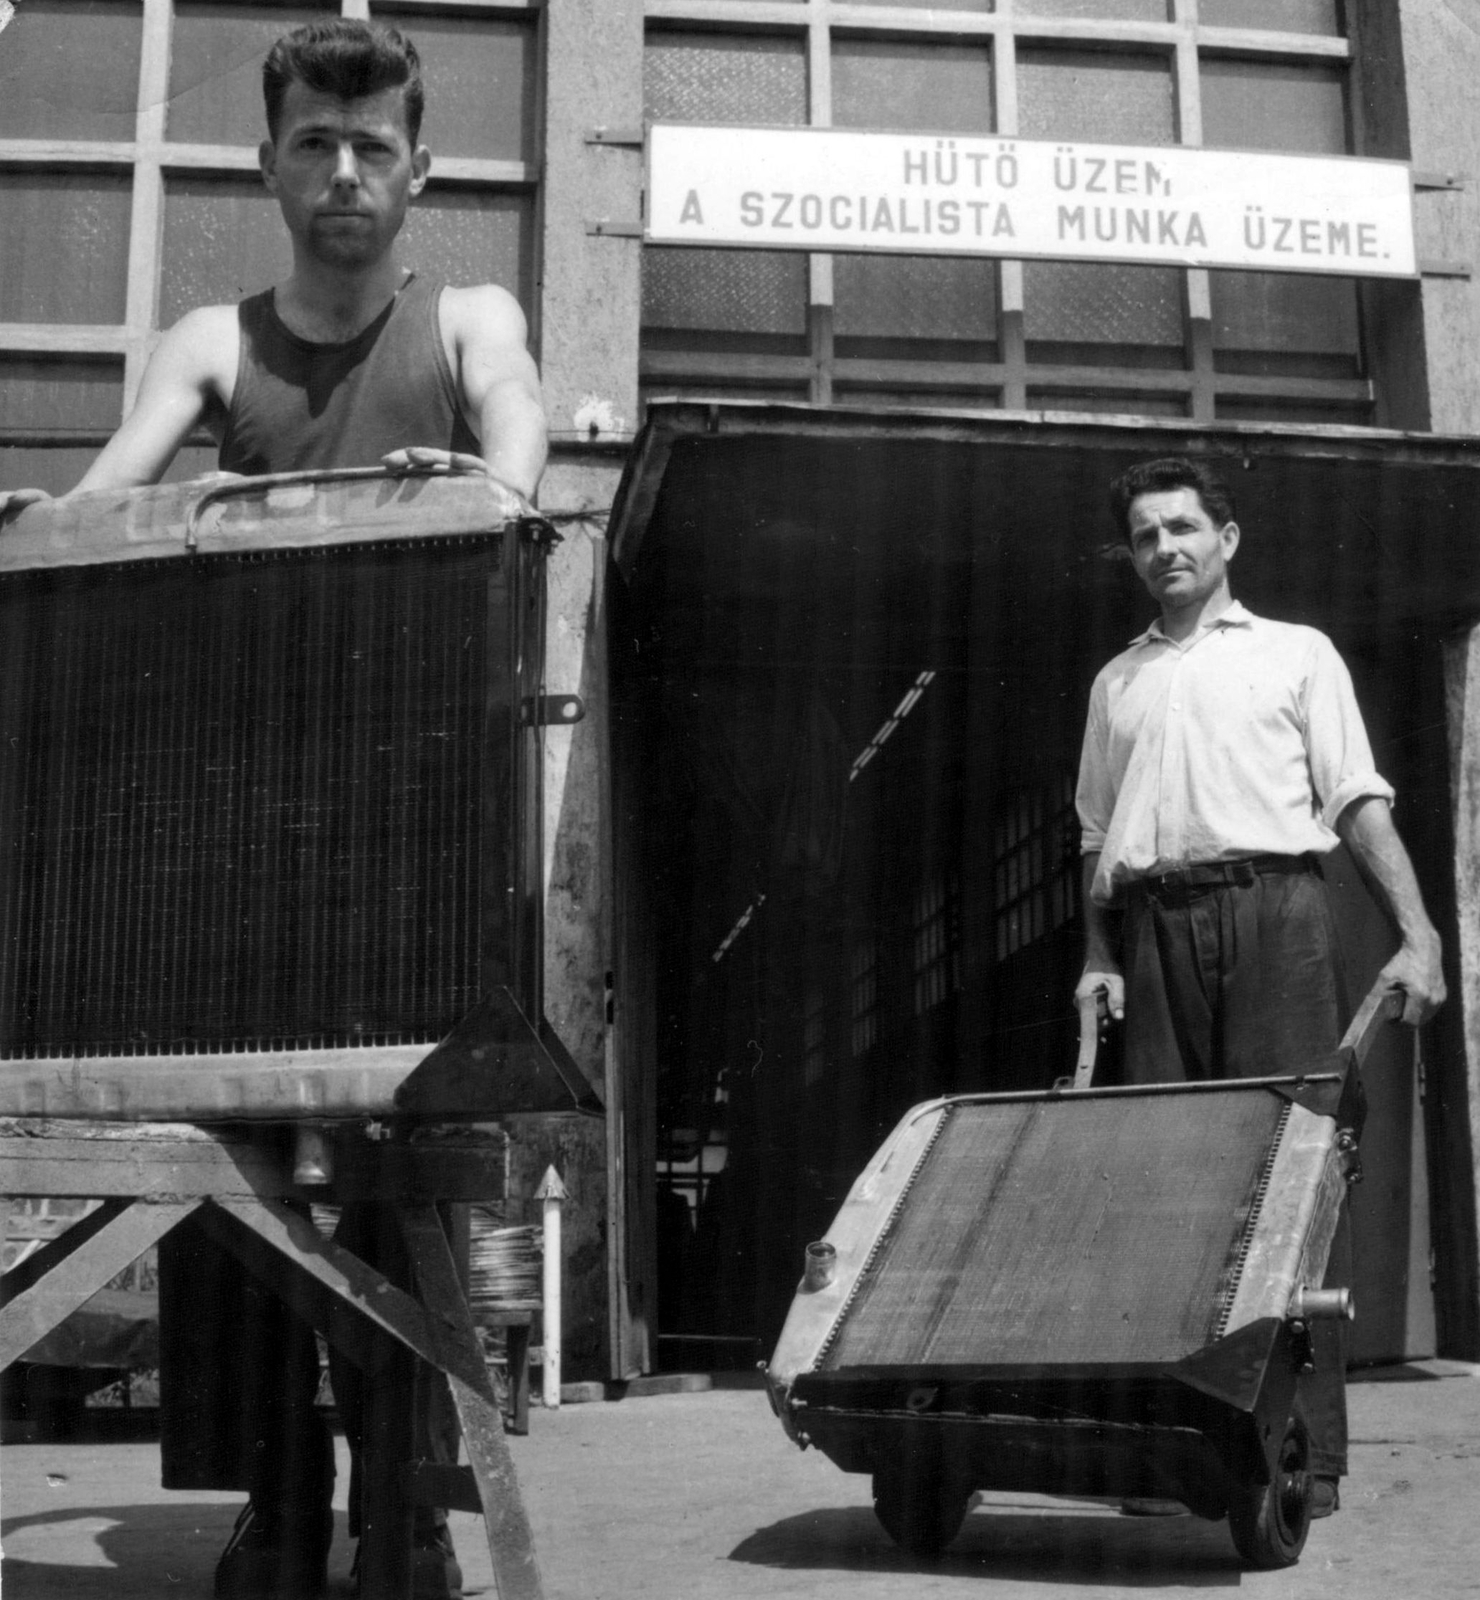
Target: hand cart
{"x": 1088, "y": 1292}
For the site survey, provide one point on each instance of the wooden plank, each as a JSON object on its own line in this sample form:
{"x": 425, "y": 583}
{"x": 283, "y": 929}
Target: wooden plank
{"x": 76, "y": 1164}
{"x": 58, "y": 1247}
{"x": 510, "y": 1541}
{"x": 118, "y": 1244}
{"x": 458, "y": 1164}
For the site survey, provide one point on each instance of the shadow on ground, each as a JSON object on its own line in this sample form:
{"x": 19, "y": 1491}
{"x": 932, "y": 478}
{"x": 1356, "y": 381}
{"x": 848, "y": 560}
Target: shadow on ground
{"x": 132, "y": 1551}
{"x": 1029, "y": 1545}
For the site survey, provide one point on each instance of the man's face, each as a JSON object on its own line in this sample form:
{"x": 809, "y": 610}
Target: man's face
{"x": 343, "y": 172}
{"x": 1179, "y": 553}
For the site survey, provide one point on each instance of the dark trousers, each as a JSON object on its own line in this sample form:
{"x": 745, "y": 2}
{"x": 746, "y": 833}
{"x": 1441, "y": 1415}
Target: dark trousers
{"x": 1245, "y": 980}
{"x": 239, "y": 1373}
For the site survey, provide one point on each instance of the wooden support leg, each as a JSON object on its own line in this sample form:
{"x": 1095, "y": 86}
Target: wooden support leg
{"x": 386, "y": 1512}
{"x": 516, "y": 1347}
{"x": 510, "y": 1542}
{"x": 83, "y": 1270}
{"x": 325, "y": 1284}
{"x": 55, "y": 1251}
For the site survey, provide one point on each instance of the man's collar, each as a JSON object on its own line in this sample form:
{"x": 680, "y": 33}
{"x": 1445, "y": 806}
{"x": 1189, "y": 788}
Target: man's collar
{"x": 1237, "y": 615}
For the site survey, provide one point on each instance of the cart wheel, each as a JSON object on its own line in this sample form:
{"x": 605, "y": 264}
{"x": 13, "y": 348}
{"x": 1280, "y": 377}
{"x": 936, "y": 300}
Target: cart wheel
{"x": 1269, "y": 1521}
{"x": 921, "y": 1507}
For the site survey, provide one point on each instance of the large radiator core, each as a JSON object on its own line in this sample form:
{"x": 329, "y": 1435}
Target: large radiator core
{"x": 246, "y": 800}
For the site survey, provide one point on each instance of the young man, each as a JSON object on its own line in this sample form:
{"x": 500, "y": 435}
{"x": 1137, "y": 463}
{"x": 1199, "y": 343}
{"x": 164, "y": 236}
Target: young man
{"x": 1224, "y": 754}
{"x": 349, "y": 362}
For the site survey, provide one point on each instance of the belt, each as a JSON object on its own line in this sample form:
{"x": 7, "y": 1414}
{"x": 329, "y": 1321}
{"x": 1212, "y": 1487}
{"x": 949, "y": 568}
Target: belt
{"x": 1218, "y": 874}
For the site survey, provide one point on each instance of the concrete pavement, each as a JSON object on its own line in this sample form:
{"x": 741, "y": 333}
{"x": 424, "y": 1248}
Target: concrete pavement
{"x": 701, "y": 1497}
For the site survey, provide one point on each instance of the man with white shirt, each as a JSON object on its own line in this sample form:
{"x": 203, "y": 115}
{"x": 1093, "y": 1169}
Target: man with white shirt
{"x": 1223, "y": 755}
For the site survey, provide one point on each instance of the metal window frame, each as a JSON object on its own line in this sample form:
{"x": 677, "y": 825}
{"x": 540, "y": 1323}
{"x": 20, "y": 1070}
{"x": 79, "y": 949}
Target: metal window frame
{"x": 1006, "y": 382}
{"x": 151, "y": 158}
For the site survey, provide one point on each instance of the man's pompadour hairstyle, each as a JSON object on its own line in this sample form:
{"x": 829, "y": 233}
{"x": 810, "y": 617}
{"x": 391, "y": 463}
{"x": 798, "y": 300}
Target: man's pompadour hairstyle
{"x": 1162, "y": 474}
{"x": 348, "y": 60}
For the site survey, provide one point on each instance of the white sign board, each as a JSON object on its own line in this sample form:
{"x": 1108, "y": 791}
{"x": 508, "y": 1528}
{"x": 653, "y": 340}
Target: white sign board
{"x": 829, "y": 189}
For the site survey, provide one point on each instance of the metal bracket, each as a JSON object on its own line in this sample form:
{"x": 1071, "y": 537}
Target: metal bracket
{"x": 634, "y": 138}
{"x": 605, "y": 228}
{"x": 558, "y": 710}
{"x": 1302, "y": 1350}
{"x": 1429, "y": 268}
{"x": 1438, "y": 180}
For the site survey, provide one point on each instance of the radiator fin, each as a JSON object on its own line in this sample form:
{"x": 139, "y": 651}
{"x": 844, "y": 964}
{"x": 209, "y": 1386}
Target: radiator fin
{"x": 242, "y": 799}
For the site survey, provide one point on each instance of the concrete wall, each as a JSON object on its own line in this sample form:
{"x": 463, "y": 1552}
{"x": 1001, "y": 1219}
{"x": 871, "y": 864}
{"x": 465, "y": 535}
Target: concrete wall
{"x": 587, "y": 330}
{"x": 1440, "y": 62}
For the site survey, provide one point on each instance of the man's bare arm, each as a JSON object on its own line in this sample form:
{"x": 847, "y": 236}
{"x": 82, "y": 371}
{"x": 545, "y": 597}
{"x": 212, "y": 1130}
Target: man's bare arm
{"x": 499, "y": 387}
{"x": 195, "y": 360}
{"x": 1102, "y": 974}
{"x": 1366, "y": 829}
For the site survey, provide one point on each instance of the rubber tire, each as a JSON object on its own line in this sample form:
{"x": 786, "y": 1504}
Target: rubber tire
{"x": 1270, "y": 1521}
{"x": 920, "y": 1507}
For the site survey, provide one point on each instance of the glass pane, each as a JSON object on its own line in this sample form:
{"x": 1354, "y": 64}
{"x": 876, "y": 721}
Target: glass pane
{"x": 216, "y": 68}
{"x": 713, "y": 77}
{"x": 1114, "y": 405}
{"x": 223, "y": 239}
{"x": 725, "y": 291}
{"x": 1090, "y": 303}
{"x": 56, "y": 471}
{"x": 934, "y": 5}
{"x": 1247, "y": 105}
{"x": 1103, "y": 10}
{"x": 480, "y": 84}
{"x": 1095, "y": 97}
{"x": 1279, "y": 16}
{"x": 55, "y": 392}
{"x": 1276, "y": 410}
{"x": 1285, "y": 313}
{"x": 466, "y": 236}
{"x": 914, "y": 297}
{"x": 886, "y": 83}
{"x": 928, "y": 399}
{"x": 63, "y": 246}
{"x": 69, "y": 69}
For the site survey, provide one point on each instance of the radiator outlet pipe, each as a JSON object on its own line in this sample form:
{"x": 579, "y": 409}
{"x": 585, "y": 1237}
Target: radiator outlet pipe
{"x": 313, "y": 1155}
{"x": 822, "y": 1266}
{"x": 1334, "y": 1305}
{"x": 552, "y": 1192}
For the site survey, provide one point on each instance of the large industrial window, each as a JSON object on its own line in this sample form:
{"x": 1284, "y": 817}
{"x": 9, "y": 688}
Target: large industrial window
{"x": 129, "y": 189}
{"x": 1150, "y": 341}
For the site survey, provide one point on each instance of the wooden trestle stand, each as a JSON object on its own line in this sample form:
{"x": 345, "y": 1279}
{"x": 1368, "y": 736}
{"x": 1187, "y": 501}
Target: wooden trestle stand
{"x": 210, "y": 1115}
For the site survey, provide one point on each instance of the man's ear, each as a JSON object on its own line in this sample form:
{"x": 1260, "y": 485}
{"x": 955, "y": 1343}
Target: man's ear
{"x": 1229, "y": 535}
{"x": 267, "y": 161}
{"x": 421, "y": 165}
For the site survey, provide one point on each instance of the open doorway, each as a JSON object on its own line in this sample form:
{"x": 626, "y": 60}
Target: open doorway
{"x": 851, "y": 669}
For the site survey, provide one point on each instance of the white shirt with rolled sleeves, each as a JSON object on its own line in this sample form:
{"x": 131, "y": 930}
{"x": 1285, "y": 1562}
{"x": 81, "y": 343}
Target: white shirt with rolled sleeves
{"x": 1244, "y": 740}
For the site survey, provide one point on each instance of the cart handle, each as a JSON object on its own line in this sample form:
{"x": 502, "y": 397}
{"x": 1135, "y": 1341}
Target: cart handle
{"x": 1089, "y": 1039}
{"x": 1384, "y": 1004}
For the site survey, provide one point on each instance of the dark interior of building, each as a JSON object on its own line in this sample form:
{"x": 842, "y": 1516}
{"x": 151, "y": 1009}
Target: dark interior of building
{"x": 854, "y": 670}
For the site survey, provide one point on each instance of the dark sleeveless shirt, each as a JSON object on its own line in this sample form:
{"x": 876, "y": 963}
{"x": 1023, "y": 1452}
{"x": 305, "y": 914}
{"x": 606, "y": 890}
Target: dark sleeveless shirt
{"x": 300, "y": 405}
